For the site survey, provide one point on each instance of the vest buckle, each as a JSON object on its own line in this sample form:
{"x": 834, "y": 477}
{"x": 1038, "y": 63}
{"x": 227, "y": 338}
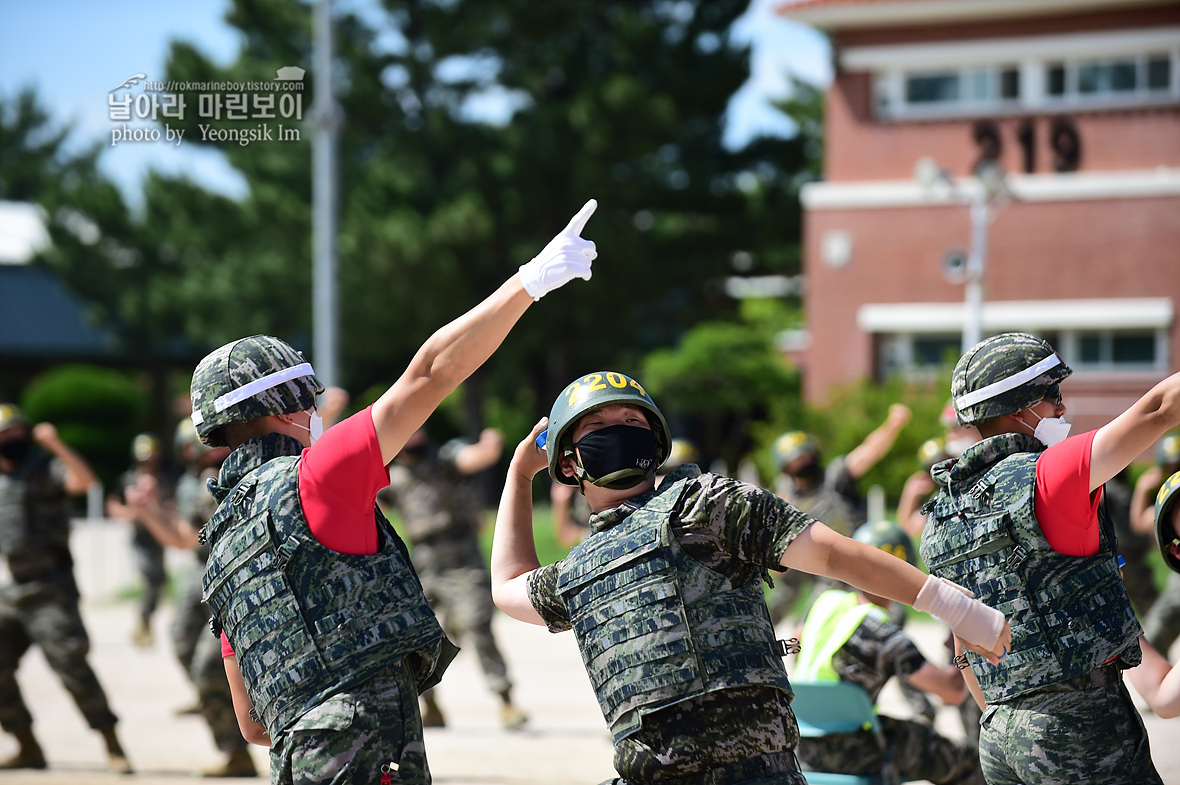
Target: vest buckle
{"x": 781, "y": 648}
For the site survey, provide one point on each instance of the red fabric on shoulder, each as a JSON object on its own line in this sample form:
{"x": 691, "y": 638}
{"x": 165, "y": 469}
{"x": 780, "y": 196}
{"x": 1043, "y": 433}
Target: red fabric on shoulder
{"x": 1066, "y": 510}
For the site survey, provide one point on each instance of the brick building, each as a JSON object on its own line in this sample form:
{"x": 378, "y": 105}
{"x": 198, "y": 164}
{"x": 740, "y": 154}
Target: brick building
{"x": 1036, "y": 141}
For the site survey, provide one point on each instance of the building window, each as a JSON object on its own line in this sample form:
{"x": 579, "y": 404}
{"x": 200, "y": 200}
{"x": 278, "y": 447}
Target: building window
{"x": 1113, "y": 350}
{"x": 1092, "y": 81}
{"x": 968, "y": 87}
{"x": 919, "y": 355}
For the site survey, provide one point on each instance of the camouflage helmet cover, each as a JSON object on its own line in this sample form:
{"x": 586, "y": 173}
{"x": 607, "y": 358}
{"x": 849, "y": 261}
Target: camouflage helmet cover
{"x": 247, "y": 379}
{"x": 792, "y": 445}
{"x": 12, "y": 417}
{"x": 1165, "y": 501}
{"x": 887, "y": 536}
{"x": 590, "y": 392}
{"x": 1167, "y": 452}
{"x": 1004, "y": 374}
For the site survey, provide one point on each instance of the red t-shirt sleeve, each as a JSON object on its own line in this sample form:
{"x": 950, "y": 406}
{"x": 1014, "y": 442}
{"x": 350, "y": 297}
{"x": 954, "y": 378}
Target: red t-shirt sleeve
{"x": 339, "y": 477}
{"x": 226, "y": 649}
{"x": 1065, "y": 508}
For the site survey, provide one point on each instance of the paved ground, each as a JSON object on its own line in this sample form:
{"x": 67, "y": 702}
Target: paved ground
{"x": 565, "y": 743}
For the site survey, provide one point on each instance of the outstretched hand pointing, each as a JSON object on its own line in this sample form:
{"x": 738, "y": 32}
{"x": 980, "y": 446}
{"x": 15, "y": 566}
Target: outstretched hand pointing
{"x": 567, "y": 256}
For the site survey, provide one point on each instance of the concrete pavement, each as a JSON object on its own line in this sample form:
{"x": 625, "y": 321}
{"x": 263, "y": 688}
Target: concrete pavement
{"x": 564, "y": 743}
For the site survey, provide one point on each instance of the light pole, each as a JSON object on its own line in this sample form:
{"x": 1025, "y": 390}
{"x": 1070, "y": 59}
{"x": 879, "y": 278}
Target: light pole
{"x": 980, "y": 198}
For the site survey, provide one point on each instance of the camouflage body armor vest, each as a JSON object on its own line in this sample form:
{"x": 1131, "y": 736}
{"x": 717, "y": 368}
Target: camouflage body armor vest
{"x": 331, "y": 619}
{"x": 35, "y": 521}
{"x": 1068, "y": 614}
{"x": 654, "y": 626}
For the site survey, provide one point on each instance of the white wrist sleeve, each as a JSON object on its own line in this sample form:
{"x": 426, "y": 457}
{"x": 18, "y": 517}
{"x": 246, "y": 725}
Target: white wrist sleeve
{"x": 968, "y": 618}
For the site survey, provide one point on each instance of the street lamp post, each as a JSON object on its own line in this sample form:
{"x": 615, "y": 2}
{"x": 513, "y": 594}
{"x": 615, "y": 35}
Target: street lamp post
{"x": 991, "y": 186}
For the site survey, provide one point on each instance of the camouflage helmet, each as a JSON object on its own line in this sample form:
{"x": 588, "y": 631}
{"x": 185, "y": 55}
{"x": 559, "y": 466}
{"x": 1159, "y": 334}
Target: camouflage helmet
{"x": 590, "y": 392}
{"x": 1004, "y": 374}
{"x": 144, "y": 447}
{"x": 12, "y": 417}
{"x": 1167, "y": 452}
{"x": 887, "y": 536}
{"x": 792, "y": 445}
{"x": 682, "y": 451}
{"x": 247, "y": 379}
{"x": 932, "y": 451}
{"x": 1165, "y": 502}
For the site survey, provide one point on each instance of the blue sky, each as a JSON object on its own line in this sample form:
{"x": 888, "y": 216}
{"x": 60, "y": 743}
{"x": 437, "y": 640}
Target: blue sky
{"x": 75, "y": 51}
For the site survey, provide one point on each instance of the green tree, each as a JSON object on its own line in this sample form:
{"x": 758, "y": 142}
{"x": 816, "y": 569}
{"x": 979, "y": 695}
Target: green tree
{"x": 621, "y": 101}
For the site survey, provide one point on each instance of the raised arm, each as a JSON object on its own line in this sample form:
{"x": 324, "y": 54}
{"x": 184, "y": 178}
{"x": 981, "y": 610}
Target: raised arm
{"x": 474, "y": 458}
{"x": 1143, "y": 501}
{"x": 457, "y": 349}
{"x": 514, "y": 551}
{"x": 79, "y": 475}
{"x": 878, "y": 443}
{"x": 1123, "y": 439}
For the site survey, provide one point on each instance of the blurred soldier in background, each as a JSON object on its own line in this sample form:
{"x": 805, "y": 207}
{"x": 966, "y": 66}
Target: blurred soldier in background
{"x": 198, "y": 651}
{"x": 145, "y": 476}
{"x": 827, "y": 493}
{"x": 849, "y": 636}
{"x": 1161, "y": 625}
{"x": 442, "y": 507}
{"x": 40, "y": 605}
{"x": 919, "y": 487}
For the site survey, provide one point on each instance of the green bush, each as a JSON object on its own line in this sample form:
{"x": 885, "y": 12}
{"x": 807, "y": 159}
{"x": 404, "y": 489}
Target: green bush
{"x": 97, "y": 411}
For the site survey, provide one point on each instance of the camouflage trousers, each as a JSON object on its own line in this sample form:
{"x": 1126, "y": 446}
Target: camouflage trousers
{"x": 1162, "y": 623}
{"x": 45, "y": 613}
{"x": 199, "y": 653}
{"x": 1058, "y": 735}
{"x": 780, "y": 769}
{"x": 914, "y": 749}
{"x": 462, "y": 599}
{"x": 355, "y": 737}
{"x": 149, "y": 559}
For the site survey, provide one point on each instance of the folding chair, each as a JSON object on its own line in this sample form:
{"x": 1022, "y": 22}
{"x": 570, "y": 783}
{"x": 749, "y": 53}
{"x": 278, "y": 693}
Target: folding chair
{"x": 825, "y": 708}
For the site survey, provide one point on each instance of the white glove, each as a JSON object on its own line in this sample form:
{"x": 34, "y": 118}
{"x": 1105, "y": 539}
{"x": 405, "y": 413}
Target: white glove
{"x": 968, "y": 618}
{"x": 567, "y": 256}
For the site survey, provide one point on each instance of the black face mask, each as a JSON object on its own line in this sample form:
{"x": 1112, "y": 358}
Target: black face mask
{"x": 16, "y": 450}
{"x": 618, "y": 456}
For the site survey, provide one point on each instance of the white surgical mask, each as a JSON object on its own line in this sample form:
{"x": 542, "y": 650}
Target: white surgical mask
{"x": 1050, "y": 430}
{"x": 317, "y": 426}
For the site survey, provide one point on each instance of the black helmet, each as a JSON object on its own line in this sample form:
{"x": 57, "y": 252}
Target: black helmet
{"x": 590, "y": 392}
{"x": 1165, "y": 500}
{"x": 247, "y": 379}
{"x": 1004, "y": 374}
{"x": 887, "y": 536}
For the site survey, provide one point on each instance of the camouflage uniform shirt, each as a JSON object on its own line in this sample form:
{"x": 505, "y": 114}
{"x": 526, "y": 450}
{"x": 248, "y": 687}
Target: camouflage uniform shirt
{"x": 738, "y": 530}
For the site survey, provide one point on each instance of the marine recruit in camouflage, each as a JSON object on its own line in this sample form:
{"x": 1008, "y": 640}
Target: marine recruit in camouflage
{"x": 655, "y": 627}
{"x": 246, "y": 379}
{"x": 1057, "y": 712}
{"x": 1004, "y": 374}
{"x": 40, "y": 605}
{"x": 1068, "y": 614}
{"x": 306, "y": 621}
